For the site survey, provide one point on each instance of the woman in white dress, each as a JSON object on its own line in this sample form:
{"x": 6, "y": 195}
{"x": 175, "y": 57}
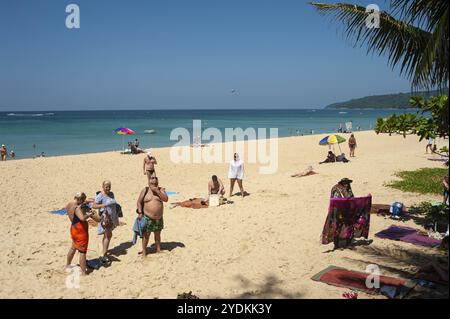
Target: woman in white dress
{"x": 236, "y": 172}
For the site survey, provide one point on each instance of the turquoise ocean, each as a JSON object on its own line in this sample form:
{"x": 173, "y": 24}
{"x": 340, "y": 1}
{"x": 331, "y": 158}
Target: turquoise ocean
{"x": 77, "y": 132}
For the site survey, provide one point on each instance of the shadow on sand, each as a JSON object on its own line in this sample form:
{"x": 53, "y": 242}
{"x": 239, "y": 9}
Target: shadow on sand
{"x": 271, "y": 287}
{"x": 403, "y": 263}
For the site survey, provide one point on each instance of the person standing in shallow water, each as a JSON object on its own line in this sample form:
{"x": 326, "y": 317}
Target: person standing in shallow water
{"x": 150, "y": 206}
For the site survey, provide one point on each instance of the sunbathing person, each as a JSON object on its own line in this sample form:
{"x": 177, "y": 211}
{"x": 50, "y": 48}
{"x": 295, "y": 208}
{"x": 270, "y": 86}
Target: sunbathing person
{"x": 79, "y": 232}
{"x": 149, "y": 165}
{"x": 342, "y": 158}
{"x": 150, "y": 206}
{"x": 331, "y": 158}
{"x": 308, "y": 171}
{"x": 215, "y": 186}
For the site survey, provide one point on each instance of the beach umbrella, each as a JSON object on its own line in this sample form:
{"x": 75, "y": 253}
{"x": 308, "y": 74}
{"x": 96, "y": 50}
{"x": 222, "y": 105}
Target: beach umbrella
{"x": 331, "y": 140}
{"x": 124, "y": 131}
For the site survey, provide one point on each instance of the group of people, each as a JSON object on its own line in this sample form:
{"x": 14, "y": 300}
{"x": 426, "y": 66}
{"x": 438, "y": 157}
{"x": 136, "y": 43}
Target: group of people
{"x": 105, "y": 211}
{"x": 235, "y": 174}
{"x": 4, "y": 153}
{"x": 134, "y": 147}
{"x": 332, "y": 158}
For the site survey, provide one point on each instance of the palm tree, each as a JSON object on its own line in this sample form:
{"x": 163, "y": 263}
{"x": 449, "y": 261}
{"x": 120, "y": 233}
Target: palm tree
{"x": 414, "y": 36}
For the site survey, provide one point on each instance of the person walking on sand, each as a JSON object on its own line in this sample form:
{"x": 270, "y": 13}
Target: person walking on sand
{"x": 107, "y": 205}
{"x": 446, "y": 187}
{"x": 236, "y": 173}
{"x": 352, "y": 145}
{"x": 149, "y": 165}
{"x": 150, "y": 206}
{"x": 429, "y": 145}
{"x": 215, "y": 186}
{"x": 79, "y": 232}
{"x": 3, "y": 153}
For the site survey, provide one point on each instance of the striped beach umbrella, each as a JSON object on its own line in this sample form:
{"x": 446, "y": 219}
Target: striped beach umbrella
{"x": 124, "y": 131}
{"x": 332, "y": 139}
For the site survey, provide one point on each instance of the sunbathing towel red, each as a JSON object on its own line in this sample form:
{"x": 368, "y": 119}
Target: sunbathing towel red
{"x": 341, "y": 277}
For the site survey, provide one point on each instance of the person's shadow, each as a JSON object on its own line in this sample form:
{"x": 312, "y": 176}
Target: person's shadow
{"x": 240, "y": 194}
{"x": 169, "y": 246}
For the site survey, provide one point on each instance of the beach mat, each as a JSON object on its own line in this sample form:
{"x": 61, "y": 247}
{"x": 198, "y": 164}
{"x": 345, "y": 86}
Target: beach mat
{"x": 59, "y": 212}
{"x": 407, "y": 235}
{"x": 341, "y": 277}
{"x": 194, "y": 203}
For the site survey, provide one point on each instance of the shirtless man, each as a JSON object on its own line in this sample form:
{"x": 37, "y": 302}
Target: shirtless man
{"x": 149, "y": 165}
{"x": 150, "y": 206}
{"x": 215, "y": 186}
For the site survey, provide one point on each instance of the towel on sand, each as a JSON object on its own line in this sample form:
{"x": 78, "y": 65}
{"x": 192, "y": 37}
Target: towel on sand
{"x": 408, "y": 235}
{"x": 195, "y": 203}
{"x": 340, "y": 277}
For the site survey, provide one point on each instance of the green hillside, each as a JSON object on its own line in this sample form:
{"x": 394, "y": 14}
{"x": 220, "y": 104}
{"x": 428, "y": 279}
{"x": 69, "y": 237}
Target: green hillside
{"x": 387, "y": 101}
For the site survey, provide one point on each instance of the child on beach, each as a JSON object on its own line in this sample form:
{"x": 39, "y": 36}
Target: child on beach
{"x": 79, "y": 232}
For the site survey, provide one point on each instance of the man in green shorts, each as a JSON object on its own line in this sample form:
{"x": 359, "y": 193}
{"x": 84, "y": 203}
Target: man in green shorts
{"x": 150, "y": 206}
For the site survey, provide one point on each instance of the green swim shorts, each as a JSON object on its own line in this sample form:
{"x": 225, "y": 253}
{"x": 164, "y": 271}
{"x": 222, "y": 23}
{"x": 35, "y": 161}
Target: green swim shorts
{"x": 153, "y": 225}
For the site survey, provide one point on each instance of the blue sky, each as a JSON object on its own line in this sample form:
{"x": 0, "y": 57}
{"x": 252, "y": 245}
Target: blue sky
{"x": 181, "y": 54}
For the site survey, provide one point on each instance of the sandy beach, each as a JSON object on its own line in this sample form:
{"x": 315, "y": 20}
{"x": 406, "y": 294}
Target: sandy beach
{"x": 266, "y": 245}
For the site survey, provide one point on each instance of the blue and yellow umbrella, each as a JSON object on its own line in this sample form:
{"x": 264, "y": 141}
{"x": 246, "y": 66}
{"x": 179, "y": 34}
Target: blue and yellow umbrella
{"x": 332, "y": 139}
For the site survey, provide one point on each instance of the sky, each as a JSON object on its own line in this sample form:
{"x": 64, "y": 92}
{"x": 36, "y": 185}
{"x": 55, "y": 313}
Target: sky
{"x": 181, "y": 54}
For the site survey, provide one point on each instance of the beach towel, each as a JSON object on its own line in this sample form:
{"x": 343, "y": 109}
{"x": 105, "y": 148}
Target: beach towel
{"x": 347, "y": 218}
{"x": 59, "y": 212}
{"x": 408, "y": 235}
{"x": 195, "y": 203}
{"x": 138, "y": 226}
{"x": 341, "y": 277}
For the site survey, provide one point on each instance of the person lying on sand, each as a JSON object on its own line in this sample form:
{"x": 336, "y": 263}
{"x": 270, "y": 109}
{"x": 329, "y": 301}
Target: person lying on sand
{"x": 308, "y": 171}
{"x": 215, "y": 186}
{"x": 331, "y": 158}
{"x": 150, "y": 206}
{"x": 79, "y": 232}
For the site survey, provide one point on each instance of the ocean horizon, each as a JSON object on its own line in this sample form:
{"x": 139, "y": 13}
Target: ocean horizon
{"x": 78, "y": 132}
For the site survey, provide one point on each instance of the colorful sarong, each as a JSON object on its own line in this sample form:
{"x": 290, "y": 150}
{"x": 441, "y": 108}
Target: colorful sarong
{"x": 347, "y": 218}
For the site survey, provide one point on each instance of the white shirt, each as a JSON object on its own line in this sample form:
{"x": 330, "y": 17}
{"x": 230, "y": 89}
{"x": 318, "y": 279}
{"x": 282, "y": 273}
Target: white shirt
{"x": 236, "y": 169}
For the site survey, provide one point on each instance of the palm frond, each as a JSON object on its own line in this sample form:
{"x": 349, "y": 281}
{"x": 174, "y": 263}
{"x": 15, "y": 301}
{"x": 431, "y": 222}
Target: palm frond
{"x": 420, "y": 54}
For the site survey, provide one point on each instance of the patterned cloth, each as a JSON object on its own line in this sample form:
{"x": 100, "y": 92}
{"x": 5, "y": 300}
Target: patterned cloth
{"x": 340, "y": 191}
{"x": 153, "y": 225}
{"x": 347, "y": 218}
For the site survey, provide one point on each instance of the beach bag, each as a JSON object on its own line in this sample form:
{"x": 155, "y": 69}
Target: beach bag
{"x": 396, "y": 209}
{"x": 214, "y": 200}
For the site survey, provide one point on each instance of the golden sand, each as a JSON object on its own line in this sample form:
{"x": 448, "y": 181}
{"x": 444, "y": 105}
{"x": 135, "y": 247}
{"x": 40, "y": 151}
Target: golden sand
{"x": 266, "y": 245}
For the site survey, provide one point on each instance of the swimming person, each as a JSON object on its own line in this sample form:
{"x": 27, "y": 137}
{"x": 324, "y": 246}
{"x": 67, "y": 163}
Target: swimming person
{"x": 150, "y": 206}
{"x": 79, "y": 232}
{"x": 236, "y": 173}
{"x": 106, "y": 203}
